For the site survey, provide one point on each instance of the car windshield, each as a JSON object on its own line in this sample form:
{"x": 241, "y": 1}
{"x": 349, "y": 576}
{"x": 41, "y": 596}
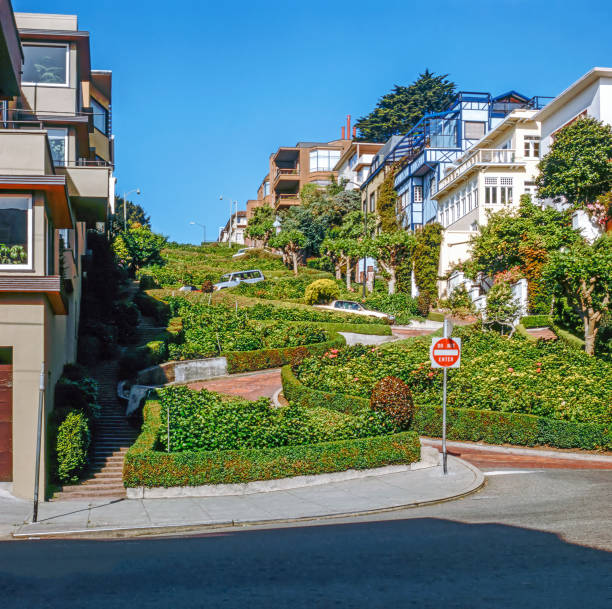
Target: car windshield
{"x": 226, "y": 277}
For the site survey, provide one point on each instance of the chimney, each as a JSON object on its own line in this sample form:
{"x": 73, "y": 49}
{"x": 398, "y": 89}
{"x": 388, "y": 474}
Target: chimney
{"x": 348, "y": 126}
{"x": 343, "y": 133}
{"x": 354, "y": 132}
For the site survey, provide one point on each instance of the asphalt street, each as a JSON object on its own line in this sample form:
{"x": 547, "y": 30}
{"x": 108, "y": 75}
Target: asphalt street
{"x": 528, "y": 539}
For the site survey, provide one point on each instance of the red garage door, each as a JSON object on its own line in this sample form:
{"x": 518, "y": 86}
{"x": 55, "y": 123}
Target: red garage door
{"x": 6, "y": 422}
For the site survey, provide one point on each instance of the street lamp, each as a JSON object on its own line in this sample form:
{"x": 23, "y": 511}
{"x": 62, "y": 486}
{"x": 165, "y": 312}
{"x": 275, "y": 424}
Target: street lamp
{"x": 125, "y": 194}
{"x": 365, "y": 234}
{"x": 277, "y": 226}
{"x": 203, "y": 230}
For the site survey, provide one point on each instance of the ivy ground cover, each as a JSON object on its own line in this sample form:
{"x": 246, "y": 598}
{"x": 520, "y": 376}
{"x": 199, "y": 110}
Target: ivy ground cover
{"x": 218, "y": 440}
{"x": 548, "y": 380}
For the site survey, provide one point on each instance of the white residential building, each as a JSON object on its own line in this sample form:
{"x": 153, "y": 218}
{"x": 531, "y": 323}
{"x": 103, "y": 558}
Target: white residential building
{"x": 490, "y": 177}
{"x": 234, "y": 228}
{"x": 354, "y": 164}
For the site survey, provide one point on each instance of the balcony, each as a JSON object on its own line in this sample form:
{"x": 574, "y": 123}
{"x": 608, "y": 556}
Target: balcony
{"x": 286, "y": 200}
{"x": 365, "y": 160}
{"x": 287, "y": 176}
{"x": 89, "y": 188}
{"x": 485, "y": 157}
{"x": 10, "y": 53}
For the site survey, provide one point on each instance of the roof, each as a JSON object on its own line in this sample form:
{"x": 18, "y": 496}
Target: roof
{"x": 572, "y": 91}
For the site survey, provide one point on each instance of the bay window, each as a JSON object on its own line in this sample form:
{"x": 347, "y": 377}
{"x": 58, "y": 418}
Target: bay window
{"x": 100, "y": 116}
{"x": 15, "y": 231}
{"x": 45, "y": 64}
{"x": 323, "y": 160}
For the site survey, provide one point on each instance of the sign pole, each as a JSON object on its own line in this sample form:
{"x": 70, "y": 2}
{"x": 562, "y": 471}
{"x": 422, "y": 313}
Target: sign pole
{"x": 41, "y": 393}
{"x": 444, "y": 466}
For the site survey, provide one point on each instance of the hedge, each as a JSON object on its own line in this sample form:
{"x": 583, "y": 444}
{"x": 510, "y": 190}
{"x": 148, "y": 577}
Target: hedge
{"x": 381, "y": 329}
{"x": 260, "y": 359}
{"x": 467, "y": 424}
{"x": 536, "y": 321}
{"x": 434, "y": 316}
{"x": 146, "y": 467}
{"x": 72, "y": 446}
{"x": 568, "y": 338}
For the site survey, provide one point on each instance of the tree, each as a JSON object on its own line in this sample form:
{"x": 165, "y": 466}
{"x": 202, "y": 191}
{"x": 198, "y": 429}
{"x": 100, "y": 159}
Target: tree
{"x": 426, "y": 257}
{"x": 261, "y": 225}
{"x": 583, "y": 274}
{"x": 138, "y": 247}
{"x": 135, "y": 215}
{"x": 521, "y": 239}
{"x": 290, "y": 242}
{"x": 398, "y": 111}
{"x": 386, "y": 206}
{"x": 391, "y": 249}
{"x": 343, "y": 251}
{"x": 502, "y": 309}
{"x": 578, "y": 165}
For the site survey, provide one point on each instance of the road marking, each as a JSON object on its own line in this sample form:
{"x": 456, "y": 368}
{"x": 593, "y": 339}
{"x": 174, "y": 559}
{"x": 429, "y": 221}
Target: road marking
{"x": 505, "y": 472}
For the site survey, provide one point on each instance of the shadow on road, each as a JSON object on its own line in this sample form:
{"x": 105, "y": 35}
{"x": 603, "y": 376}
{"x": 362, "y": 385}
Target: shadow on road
{"x": 421, "y": 562}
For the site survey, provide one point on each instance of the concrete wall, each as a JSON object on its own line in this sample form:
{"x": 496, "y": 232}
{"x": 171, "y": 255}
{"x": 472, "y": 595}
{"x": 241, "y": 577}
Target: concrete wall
{"x": 23, "y": 152}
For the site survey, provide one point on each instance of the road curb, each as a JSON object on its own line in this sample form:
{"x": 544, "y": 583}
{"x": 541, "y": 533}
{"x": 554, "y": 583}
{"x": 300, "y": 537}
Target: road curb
{"x": 123, "y": 532}
{"x": 510, "y": 450}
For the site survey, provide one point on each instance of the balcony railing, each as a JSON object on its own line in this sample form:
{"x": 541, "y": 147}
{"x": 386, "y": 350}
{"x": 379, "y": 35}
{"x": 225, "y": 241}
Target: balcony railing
{"x": 287, "y": 172}
{"x": 82, "y": 163}
{"x": 287, "y": 199}
{"x": 484, "y": 156}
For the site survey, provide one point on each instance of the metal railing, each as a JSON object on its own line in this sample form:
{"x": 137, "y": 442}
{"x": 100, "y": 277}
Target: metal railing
{"x": 287, "y": 172}
{"x": 283, "y": 198}
{"x": 484, "y": 156}
{"x": 82, "y": 163}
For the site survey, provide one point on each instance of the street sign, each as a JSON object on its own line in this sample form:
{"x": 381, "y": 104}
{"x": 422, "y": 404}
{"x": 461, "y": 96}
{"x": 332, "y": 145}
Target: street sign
{"x": 445, "y": 352}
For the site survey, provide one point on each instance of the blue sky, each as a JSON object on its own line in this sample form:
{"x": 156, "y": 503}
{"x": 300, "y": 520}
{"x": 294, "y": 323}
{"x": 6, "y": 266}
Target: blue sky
{"x": 205, "y": 91}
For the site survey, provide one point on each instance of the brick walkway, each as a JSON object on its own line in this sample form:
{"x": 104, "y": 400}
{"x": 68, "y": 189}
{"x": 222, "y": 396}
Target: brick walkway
{"x": 250, "y": 386}
{"x": 543, "y": 333}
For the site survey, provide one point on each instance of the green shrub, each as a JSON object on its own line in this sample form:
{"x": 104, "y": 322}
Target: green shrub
{"x": 72, "y": 446}
{"x": 393, "y": 397}
{"x": 460, "y": 302}
{"x": 125, "y": 317}
{"x": 302, "y": 313}
{"x": 158, "y": 352}
{"x": 175, "y": 330}
{"x": 424, "y": 304}
{"x": 320, "y": 264}
{"x": 401, "y": 305}
{"x": 321, "y": 291}
{"x": 536, "y": 321}
{"x": 77, "y": 393}
{"x": 147, "y": 282}
{"x": 435, "y": 316}
{"x": 571, "y": 340}
{"x": 152, "y": 307}
{"x": 133, "y": 361}
{"x": 149, "y": 468}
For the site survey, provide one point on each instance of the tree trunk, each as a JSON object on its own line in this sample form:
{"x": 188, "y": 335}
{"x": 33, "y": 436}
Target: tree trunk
{"x": 590, "y": 333}
{"x": 391, "y": 281}
{"x": 294, "y": 257}
{"x": 338, "y": 271}
{"x": 348, "y": 274}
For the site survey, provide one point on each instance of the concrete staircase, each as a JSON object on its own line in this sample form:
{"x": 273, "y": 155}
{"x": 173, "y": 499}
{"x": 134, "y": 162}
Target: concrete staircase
{"x": 112, "y": 437}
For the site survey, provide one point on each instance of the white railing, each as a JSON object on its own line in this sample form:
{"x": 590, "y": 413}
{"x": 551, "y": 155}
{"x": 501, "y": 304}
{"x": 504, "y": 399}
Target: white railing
{"x": 484, "y": 156}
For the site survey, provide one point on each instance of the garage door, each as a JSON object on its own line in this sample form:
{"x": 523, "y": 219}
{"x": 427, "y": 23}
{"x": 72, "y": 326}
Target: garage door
{"x": 6, "y": 422}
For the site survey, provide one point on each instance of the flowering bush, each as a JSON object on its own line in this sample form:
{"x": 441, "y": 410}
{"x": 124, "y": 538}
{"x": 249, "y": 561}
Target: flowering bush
{"x": 548, "y": 379}
{"x": 321, "y": 291}
{"x": 393, "y": 397}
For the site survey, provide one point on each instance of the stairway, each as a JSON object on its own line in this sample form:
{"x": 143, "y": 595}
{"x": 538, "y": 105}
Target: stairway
{"x": 113, "y": 435}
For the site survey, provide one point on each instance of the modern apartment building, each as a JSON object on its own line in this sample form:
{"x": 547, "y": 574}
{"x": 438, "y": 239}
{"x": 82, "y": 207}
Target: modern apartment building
{"x": 56, "y": 182}
{"x": 490, "y": 177}
{"x": 292, "y": 167}
{"x": 435, "y": 143}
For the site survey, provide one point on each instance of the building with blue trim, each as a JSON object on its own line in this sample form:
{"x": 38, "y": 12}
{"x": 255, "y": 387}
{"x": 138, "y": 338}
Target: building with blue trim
{"x": 432, "y": 146}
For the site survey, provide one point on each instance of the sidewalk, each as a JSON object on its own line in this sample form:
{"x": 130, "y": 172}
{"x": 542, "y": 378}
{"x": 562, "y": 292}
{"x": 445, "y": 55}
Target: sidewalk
{"x": 130, "y": 517}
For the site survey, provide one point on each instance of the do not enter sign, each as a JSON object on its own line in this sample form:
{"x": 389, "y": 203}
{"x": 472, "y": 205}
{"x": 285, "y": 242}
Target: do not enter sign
{"x": 445, "y": 352}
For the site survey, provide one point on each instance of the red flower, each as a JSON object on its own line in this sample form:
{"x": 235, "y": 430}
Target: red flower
{"x": 331, "y": 355}
{"x": 539, "y": 370}
{"x": 430, "y": 374}
{"x": 510, "y": 369}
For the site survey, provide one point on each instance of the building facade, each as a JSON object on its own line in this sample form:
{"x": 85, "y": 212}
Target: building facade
{"x": 492, "y": 176}
{"x": 233, "y": 231}
{"x": 435, "y": 143}
{"x": 355, "y": 162}
{"x": 56, "y": 183}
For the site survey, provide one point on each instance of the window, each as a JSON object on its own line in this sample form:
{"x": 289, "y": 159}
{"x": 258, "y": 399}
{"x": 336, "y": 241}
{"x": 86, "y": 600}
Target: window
{"x": 266, "y": 189}
{"x": 323, "y": 160}
{"x": 58, "y": 142}
{"x": 473, "y": 130}
{"x": 418, "y": 194}
{"x": 353, "y": 161}
{"x": 100, "y": 116}
{"x": 532, "y": 146}
{"x": 15, "y": 231}
{"x": 490, "y": 191}
{"x": 373, "y": 201}
{"x": 45, "y": 65}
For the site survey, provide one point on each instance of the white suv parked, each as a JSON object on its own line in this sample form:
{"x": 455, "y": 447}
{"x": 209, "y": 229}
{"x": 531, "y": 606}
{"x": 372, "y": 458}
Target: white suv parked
{"x": 231, "y": 280}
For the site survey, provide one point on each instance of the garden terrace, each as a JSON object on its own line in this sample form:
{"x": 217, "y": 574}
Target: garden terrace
{"x": 214, "y": 440}
{"x": 520, "y": 391}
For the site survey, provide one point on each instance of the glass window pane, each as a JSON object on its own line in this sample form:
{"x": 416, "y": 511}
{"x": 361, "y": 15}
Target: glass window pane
{"x": 100, "y": 116}
{"x": 14, "y": 230}
{"x": 44, "y": 64}
{"x": 57, "y": 143}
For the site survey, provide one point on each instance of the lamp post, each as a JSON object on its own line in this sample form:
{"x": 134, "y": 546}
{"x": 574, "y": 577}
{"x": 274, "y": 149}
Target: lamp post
{"x": 125, "y": 194}
{"x": 365, "y": 234}
{"x": 203, "y": 230}
{"x": 231, "y": 206}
